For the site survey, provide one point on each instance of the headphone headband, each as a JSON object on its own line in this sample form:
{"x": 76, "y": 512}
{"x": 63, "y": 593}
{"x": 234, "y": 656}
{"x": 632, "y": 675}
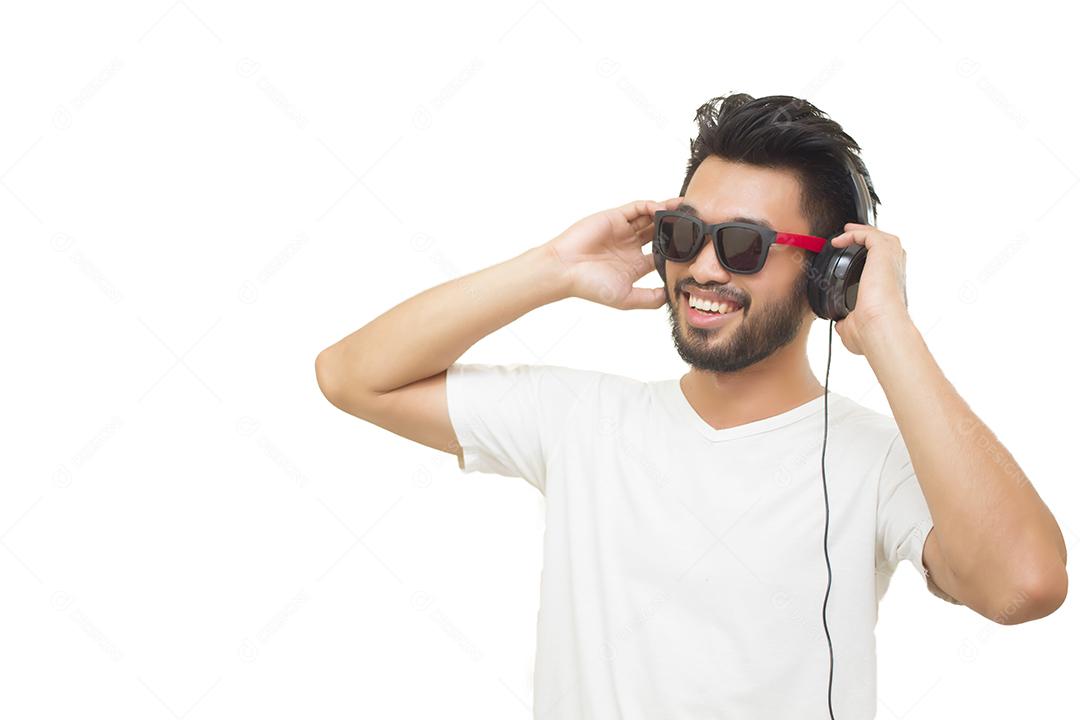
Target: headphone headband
{"x": 861, "y": 192}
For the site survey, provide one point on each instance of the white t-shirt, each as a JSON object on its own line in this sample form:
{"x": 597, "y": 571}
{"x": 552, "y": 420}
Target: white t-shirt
{"x": 683, "y": 569}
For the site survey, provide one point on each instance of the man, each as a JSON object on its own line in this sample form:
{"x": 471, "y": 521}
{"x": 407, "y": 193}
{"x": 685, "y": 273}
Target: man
{"x": 684, "y": 570}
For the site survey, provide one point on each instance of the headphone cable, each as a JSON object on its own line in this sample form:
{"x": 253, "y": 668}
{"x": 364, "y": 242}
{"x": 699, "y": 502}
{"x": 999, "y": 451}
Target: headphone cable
{"x": 824, "y": 620}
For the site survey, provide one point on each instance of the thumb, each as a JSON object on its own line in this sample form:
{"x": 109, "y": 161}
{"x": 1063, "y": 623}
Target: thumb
{"x": 645, "y": 298}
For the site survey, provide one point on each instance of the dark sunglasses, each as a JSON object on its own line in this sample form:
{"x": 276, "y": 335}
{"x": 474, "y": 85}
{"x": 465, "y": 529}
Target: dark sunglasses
{"x": 740, "y": 247}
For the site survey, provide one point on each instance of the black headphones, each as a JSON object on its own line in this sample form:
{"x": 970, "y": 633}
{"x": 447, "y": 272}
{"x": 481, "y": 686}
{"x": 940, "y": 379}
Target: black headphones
{"x": 834, "y": 273}
{"x": 833, "y": 276}
{"x": 832, "y": 298}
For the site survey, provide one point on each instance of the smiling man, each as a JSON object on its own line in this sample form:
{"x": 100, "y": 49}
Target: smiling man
{"x": 684, "y": 572}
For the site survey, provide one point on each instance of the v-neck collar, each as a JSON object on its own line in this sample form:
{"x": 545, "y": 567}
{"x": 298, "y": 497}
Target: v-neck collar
{"x": 680, "y": 406}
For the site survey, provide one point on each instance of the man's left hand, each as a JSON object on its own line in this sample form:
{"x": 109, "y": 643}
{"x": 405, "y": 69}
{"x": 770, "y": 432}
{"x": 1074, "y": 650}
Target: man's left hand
{"x": 882, "y": 295}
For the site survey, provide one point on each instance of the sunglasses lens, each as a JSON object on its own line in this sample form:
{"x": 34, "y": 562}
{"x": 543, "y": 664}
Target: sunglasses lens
{"x": 741, "y": 248}
{"x": 678, "y": 237}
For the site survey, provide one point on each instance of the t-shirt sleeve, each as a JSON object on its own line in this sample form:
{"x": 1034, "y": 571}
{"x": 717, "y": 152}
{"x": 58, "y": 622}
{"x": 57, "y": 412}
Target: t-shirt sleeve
{"x": 508, "y": 418}
{"x": 903, "y": 517}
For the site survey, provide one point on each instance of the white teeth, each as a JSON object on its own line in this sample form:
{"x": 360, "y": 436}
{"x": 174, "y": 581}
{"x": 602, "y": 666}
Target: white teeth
{"x": 710, "y": 305}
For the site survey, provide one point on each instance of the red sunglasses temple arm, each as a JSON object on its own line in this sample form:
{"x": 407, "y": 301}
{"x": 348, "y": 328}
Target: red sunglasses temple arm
{"x": 807, "y": 242}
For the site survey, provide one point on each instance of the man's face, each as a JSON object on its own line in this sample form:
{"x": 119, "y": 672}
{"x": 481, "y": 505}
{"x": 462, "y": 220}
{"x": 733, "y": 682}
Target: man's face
{"x": 774, "y": 304}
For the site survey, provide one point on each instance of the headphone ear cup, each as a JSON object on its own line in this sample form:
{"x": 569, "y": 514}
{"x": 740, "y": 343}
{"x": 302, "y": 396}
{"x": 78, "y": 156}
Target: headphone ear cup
{"x": 848, "y": 273}
{"x": 834, "y": 280}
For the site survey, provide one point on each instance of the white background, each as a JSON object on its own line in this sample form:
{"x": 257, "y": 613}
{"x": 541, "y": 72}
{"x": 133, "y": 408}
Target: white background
{"x": 198, "y": 197}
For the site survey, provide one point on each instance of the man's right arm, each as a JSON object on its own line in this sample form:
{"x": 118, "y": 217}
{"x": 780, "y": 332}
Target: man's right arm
{"x": 392, "y": 371}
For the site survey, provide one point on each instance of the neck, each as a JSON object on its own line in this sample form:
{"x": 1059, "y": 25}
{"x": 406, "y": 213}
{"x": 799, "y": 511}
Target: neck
{"x": 772, "y": 386}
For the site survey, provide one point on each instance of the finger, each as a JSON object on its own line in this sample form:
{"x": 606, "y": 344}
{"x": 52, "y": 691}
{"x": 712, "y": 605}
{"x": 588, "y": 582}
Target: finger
{"x": 655, "y": 205}
{"x": 633, "y": 210}
{"x": 846, "y": 238}
{"x": 645, "y": 265}
{"x": 645, "y": 298}
{"x": 640, "y": 223}
{"x": 634, "y": 268}
{"x": 646, "y": 234}
{"x": 647, "y": 208}
{"x": 669, "y": 204}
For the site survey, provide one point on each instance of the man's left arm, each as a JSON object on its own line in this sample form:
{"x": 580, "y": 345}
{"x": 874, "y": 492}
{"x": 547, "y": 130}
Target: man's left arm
{"x": 995, "y": 546}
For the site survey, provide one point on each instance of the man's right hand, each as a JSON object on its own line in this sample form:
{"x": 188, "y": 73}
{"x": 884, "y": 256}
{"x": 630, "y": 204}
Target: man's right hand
{"x": 602, "y": 256}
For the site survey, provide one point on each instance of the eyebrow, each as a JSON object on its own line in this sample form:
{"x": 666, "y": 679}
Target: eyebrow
{"x": 690, "y": 209}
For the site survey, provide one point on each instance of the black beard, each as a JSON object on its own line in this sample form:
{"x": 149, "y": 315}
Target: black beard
{"x": 774, "y": 327}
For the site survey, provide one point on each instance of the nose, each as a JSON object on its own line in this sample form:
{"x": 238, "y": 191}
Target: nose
{"x": 705, "y": 268}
